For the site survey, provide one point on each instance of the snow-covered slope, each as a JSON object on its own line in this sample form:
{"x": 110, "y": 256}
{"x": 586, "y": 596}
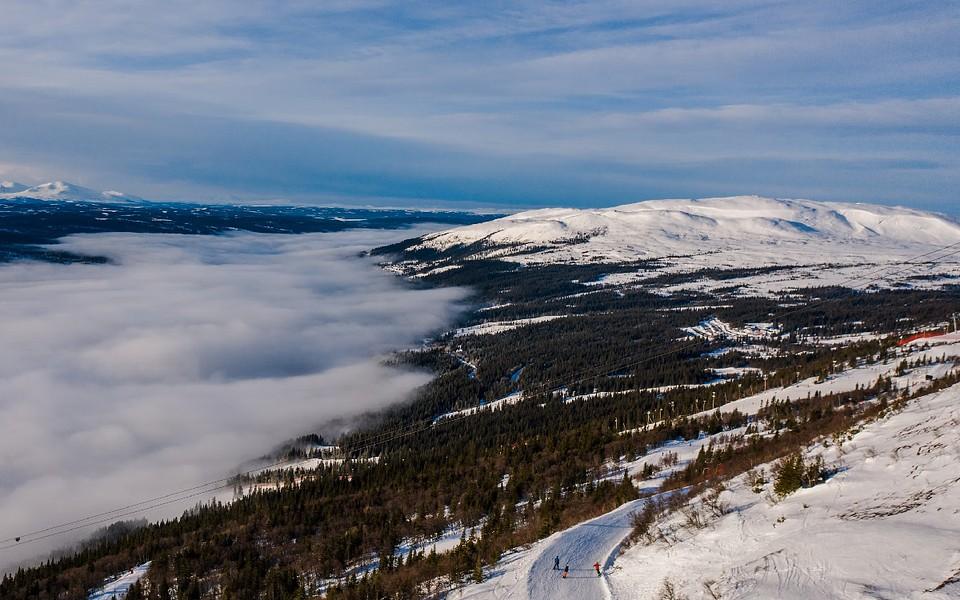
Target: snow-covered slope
{"x": 61, "y": 190}
{"x": 117, "y": 588}
{"x": 886, "y": 526}
{"x": 11, "y": 187}
{"x": 659, "y": 228}
{"x": 778, "y": 245}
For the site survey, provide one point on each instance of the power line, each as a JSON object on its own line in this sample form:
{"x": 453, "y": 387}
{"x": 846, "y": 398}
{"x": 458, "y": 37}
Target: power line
{"x": 77, "y": 522}
{"x": 400, "y": 432}
{"x": 102, "y": 521}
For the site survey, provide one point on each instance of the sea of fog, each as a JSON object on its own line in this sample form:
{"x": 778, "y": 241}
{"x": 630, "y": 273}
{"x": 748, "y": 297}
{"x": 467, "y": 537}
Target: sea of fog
{"x": 184, "y": 357}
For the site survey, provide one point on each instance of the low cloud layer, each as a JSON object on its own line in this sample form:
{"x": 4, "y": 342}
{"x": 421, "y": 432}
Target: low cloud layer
{"x": 188, "y": 356}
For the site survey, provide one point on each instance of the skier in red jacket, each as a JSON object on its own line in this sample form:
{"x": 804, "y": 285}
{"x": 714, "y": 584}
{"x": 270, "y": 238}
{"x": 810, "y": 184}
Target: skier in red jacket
{"x": 596, "y": 566}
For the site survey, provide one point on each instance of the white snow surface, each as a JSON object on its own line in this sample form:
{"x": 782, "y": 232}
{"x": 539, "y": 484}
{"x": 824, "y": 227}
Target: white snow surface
{"x": 61, "y": 190}
{"x": 908, "y": 459}
{"x": 8, "y": 187}
{"x": 671, "y": 227}
{"x": 885, "y": 526}
{"x": 500, "y": 326}
{"x": 529, "y": 574}
{"x": 849, "y": 379}
{"x": 495, "y": 405}
{"x": 945, "y": 339}
{"x": 118, "y": 587}
{"x": 820, "y": 243}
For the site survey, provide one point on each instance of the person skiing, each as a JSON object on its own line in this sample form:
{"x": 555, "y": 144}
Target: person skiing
{"x": 566, "y": 570}
{"x": 556, "y": 563}
{"x": 596, "y": 566}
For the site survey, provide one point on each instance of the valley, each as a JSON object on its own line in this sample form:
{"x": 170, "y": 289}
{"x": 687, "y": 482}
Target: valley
{"x": 604, "y": 371}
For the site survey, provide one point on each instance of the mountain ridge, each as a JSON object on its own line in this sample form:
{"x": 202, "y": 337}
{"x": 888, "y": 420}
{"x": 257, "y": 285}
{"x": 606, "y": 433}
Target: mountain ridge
{"x": 665, "y": 227}
{"x": 62, "y": 191}
{"x": 763, "y": 246}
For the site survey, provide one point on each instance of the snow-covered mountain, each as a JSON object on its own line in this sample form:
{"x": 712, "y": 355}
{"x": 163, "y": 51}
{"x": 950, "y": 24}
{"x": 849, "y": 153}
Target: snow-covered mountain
{"x": 61, "y": 190}
{"x": 804, "y": 241}
{"x": 10, "y": 187}
{"x": 659, "y": 228}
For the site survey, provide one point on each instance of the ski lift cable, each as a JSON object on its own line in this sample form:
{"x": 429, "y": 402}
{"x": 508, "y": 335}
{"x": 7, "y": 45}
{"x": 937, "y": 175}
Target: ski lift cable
{"x": 198, "y": 489}
{"x": 110, "y": 519}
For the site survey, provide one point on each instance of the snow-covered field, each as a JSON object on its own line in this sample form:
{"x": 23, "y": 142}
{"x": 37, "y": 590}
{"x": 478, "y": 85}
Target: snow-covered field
{"x": 842, "y": 340}
{"x": 528, "y": 573}
{"x": 885, "y": 526}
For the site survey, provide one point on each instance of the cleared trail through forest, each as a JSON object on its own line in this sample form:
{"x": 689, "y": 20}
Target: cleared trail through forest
{"x": 596, "y": 540}
{"x": 529, "y": 573}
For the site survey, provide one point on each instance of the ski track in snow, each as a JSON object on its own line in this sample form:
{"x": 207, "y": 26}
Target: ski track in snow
{"x": 117, "y": 589}
{"x": 529, "y": 574}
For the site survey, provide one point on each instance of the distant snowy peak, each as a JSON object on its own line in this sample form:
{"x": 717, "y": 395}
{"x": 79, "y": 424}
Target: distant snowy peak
{"x": 61, "y": 190}
{"x": 7, "y": 187}
{"x": 660, "y": 228}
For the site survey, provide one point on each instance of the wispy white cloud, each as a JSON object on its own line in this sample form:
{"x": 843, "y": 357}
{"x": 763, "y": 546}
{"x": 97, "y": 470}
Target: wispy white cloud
{"x": 517, "y": 85}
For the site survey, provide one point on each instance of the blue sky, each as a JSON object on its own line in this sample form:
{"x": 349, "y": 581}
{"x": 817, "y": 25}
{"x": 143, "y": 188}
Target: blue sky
{"x": 485, "y": 103}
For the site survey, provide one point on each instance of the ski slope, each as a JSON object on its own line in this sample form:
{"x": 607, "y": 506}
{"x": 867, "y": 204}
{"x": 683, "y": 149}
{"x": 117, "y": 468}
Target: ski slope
{"x": 529, "y": 574}
{"x": 507, "y": 400}
{"x": 885, "y": 526}
{"x": 491, "y": 327}
{"x": 117, "y": 588}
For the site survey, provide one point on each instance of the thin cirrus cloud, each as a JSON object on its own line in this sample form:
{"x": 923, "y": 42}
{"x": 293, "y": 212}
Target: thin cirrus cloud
{"x": 185, "y": 358}
{"x": 528, "y": 103}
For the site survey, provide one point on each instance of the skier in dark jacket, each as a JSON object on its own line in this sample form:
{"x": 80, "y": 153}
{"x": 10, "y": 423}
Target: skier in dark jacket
{"x": 556, "y": 563}
{"x": 566, "y": 570}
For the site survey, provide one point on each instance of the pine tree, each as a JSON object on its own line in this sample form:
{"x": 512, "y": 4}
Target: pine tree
{"x": 789, "y": 476}
{"x": 478, "y": 571}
